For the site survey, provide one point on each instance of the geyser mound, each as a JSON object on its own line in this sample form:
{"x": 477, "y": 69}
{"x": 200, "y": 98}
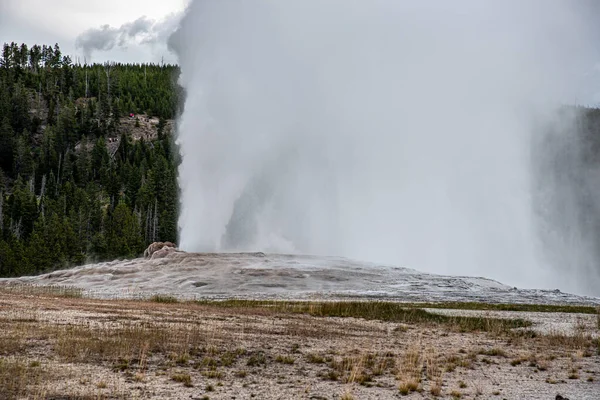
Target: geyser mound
{"x": 397, "y": 132}
{"x": 283, "y": 277}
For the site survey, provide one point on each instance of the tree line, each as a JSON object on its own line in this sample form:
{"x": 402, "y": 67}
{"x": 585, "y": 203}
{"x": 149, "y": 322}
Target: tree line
{"x": 66, "y": 196}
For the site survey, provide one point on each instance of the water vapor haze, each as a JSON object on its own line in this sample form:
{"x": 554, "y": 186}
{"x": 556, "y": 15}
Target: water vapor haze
{"x": 143, "y": 31}
{"x": 390, "y": 131}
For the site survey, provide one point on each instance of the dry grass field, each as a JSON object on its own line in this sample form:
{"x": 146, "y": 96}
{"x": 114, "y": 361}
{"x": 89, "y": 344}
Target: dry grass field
{"x": 56, "y": 344}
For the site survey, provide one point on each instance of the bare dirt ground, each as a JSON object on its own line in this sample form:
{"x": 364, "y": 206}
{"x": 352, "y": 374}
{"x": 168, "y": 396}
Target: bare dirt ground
{"x": 145, "y": 128}
{"x": 56, "y": 345}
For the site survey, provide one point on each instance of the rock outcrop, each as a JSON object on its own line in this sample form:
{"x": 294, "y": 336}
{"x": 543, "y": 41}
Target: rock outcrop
{"x": 160, "y": 250}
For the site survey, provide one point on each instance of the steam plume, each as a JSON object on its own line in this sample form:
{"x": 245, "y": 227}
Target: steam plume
{"x": 143, "y": 30}
{"x": 392, "y": 131}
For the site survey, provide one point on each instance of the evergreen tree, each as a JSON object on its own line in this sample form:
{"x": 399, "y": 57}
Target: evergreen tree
{"x": 6, "y": 144}
{"x": 69, "y": 191}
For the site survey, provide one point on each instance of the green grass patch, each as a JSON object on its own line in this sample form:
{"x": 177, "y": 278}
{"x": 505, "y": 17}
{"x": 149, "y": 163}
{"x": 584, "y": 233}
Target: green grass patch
{"x": 573, "y": 309}
{"x": 159, "y": 298}
{"x": 285, "y": 359}
{"x": 257, "y": 359}
{"x": 376, "y": 310}
{"x": 183, "y": 378}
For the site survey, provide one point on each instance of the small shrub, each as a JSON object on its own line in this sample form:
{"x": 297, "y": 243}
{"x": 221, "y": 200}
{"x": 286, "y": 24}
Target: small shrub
{"x": 257, "y": 359}
{"x": 542, "y": 365}
{"x": 315, "y": 358}
{"x": 186, "y": 379}
{"x": 285, "y": 359}
{"x": 408, "y": 387}
{"x": 347, "y": 396}
{"x": 159, "y": 298}
{"x": 228, "y": 359}
{"x": 182, "y": 359}
{"x": 332, "y": 375}
{"x": 240, "y": 351}
{"x": 573, "y": 375}
{"x": 209, "y": 362}
{"x": 495, "y": 352}
{"x": 241, "y": 373}
{"x": 121, "y": 365}
{"x": 213, "y": 374}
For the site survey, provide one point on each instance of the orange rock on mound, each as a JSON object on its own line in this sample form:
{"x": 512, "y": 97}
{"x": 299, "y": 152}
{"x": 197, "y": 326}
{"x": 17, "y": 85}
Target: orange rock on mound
{"x": 164, "y": 248}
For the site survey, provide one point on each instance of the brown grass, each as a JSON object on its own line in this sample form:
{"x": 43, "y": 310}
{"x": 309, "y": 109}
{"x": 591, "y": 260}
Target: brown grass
{"x": 376, "y": 310}
{"x": 146, "y": 343}
{"x": 183, "y": 378}
{"x": 409, "y": 371}
{"x": 17, "y": 379}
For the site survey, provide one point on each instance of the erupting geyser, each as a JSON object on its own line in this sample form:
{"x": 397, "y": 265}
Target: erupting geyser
{"x": 390, "y": 131}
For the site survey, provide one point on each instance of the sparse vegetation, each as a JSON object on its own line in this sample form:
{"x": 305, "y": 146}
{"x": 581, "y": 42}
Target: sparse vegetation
{"x": 213, "y": 374}
{"x": 186, "y": 379}
{"x": 172, "y": 341}
{"x": 546, "y": 308}
{"x": 347, "y": 396}
{"x": 45, "y": 291}
{"x": 257, "y": 359}
{"x": 375, "y": 310}
{"x": 16, "y": 377}
{"x": 409, "y": 372}
{"x": 241, "y": 373}
{"x": 495, "y": 352}
{"x": 164, "y": 299}
{"x": 315, "y": 358}
{"x": 285, "y": 359}
{"x": 573, "y": 374}
{"x": 408, "y": 387}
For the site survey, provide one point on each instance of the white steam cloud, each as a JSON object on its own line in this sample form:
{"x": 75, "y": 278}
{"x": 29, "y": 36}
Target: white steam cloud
{"x": 390, "y": 131}
{"x": 143, "y": 31}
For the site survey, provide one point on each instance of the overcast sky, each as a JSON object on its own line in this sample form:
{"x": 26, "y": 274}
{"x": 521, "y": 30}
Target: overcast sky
{"x": 137, "y": 30}
{"x": 62, "y": 21}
